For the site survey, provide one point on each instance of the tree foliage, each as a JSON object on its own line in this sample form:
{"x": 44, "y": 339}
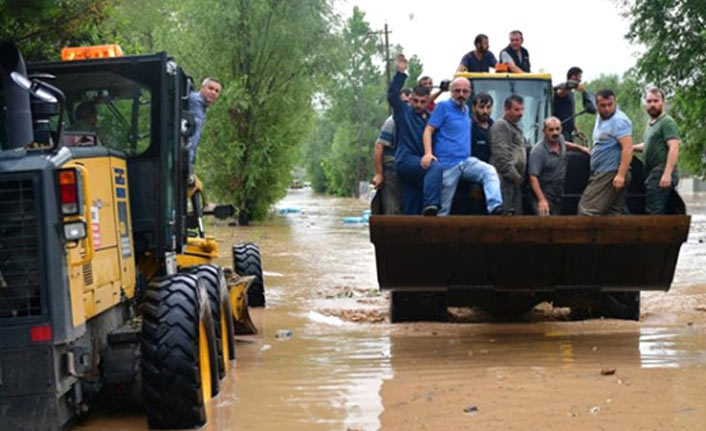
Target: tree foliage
{"x": 356, "y": 106}
{"x": 270, "y": 56}
{"x": 41, "y": 28}
{"x": 673, "y": 32}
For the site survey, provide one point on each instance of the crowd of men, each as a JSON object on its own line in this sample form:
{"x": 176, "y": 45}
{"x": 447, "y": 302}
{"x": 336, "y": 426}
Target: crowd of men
{"x": 425, "y": 148}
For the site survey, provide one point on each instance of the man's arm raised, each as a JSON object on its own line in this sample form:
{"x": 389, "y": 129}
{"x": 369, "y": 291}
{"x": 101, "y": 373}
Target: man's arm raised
{"x": 393, "y": 91}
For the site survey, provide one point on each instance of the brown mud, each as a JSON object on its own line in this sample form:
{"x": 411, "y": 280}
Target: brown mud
{"x": 347, "y": 368}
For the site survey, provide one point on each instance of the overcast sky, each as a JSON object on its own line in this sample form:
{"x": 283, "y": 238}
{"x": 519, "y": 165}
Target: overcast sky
{"x": 558, "y": 33}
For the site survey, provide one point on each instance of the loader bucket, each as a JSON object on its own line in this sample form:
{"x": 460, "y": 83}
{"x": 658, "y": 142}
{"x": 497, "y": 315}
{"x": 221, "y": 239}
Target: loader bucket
{"x": 527, "y": 253}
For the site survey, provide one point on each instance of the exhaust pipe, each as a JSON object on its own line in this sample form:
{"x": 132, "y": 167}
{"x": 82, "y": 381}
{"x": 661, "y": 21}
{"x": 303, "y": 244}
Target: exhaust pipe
{"x": 18, "y": 121}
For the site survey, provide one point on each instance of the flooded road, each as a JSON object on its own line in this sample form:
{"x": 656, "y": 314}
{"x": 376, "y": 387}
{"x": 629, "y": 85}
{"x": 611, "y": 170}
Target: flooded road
{"x": 346, "y": 368}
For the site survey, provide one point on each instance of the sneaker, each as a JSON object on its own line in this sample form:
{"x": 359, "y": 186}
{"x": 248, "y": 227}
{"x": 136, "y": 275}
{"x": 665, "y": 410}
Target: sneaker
{"x": 430, "y": 210}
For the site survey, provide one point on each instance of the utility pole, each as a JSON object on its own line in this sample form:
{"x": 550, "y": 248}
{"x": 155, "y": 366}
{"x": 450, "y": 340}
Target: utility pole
{"x": 386, "y": 32}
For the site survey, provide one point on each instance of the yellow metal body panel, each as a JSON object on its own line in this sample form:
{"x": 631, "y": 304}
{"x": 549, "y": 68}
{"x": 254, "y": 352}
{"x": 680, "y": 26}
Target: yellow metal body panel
{"x": 504, "y": 75}
{"x": 100, "y": 283}
{"x": 198, "y": 251}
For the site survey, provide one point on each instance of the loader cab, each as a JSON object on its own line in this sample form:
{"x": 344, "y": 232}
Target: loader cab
{"x": 535, "y": 89}
{"x": 131, "y": 107}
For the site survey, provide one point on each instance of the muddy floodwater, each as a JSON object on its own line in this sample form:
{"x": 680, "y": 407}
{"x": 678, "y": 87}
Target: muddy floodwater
{"x": 346, "y": 367}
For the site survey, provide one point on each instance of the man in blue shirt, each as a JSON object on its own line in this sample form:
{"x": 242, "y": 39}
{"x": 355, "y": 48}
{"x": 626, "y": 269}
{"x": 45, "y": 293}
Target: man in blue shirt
{"x": 610, "y": 160}
{"x": 479, "y": 60}
{"x": 199, "y": 101}
{"x": 420, "y": 184}
{"x": 450, "y": 130}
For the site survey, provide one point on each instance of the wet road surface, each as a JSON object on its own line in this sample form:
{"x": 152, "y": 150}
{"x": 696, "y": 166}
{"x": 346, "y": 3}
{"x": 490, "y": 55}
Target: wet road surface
{"x": 346, "y": 368}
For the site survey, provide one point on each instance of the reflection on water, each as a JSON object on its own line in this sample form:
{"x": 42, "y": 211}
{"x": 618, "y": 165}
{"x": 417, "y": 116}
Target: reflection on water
{"x": 336, "y": 375}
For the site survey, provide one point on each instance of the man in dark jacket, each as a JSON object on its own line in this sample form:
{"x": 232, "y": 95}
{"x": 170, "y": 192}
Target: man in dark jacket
{"x": 509, "y": 153}
{"x": 514, "y": 55}
{"x": 421, "y": 186}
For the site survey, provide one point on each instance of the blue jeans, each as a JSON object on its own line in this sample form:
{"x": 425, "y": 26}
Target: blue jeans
{"x": 476, "y": 171}
{"x": 420, "y": 187}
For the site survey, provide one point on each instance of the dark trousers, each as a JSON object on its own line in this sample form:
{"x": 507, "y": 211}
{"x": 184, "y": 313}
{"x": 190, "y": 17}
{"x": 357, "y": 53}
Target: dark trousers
{"x": 656, "y": 198}
{"x": 553, "y": 192}
{"x": 391, "y": 190}
{"x": 512, "y": 196}
{"x": 601, "y": 198}
{"x": 420, "y": 187}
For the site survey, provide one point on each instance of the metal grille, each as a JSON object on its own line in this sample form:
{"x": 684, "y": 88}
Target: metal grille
{"x": 19, "y": 260}
{"x": 88, "y": 274}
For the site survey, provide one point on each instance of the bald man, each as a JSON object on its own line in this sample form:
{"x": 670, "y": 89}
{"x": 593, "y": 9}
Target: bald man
{"x": 199, "y": 101}
{"x": 447, "y": 139}
{"x": 547, "y": 168}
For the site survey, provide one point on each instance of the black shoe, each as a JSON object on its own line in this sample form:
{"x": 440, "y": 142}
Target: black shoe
{"x": 430, "y": 210}
{"x": 498, "y": 210}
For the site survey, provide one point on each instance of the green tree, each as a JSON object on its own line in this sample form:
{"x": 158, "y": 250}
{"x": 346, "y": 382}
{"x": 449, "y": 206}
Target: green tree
{"x": 316, "y": 147}
{"x": 673, "y": 33}
{"x": 357, "y": 107}
{"x": 271, "y": 56}
{"x": 41, "y": 28}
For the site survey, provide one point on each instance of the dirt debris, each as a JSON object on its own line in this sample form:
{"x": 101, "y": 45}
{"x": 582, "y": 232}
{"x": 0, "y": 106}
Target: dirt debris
{"x": 357, "y": 316}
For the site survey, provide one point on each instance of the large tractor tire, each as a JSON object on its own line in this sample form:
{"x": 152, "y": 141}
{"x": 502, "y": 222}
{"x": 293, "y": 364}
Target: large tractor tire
{"x": 217, "y": 291}
{"x": 620, "y": 305}
{"x": 246, "y": 261}
{"x": 418, "y": 306}
{"x": 178, "y": 352}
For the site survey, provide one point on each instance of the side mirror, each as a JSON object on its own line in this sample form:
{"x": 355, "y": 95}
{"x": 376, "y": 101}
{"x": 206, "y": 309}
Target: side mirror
{"x": 589, "y": 102}
{"x": 32, "y": 87}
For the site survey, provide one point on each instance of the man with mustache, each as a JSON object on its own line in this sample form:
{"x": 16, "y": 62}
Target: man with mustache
{"x": 547, "y": 168}
{"x": 661, "y": 148}
{"x": 449, "y": 129}
{"x": 610, "y": 160}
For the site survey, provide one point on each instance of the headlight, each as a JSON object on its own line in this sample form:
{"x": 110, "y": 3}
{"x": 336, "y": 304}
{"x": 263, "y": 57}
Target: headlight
{"x": 74, "y": 231}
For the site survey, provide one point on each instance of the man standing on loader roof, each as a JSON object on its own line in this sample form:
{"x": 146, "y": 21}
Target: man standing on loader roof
{"x": 199, "y": 101}
{"x": 480, "y": 59}
{"x": 514, "y": 55}
{"x": 661, "y": 147}
{"x": 421, "y": 184}
{"x": 610, "y": 160}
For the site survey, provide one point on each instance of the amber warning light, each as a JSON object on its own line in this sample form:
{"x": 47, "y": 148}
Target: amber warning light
{"x": 89, "y": 52}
